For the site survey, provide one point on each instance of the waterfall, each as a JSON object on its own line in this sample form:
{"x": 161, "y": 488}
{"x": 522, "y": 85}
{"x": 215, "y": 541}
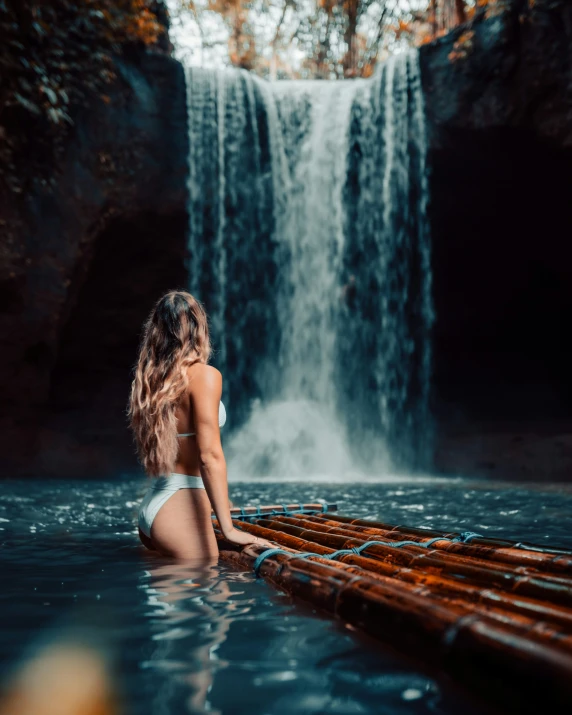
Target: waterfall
{"x": 312, "y": 231}
{"x": 309, "y": 246}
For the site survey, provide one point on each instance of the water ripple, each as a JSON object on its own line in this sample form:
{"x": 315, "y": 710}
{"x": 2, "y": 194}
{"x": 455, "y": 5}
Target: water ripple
{"x": 217, "y": 640}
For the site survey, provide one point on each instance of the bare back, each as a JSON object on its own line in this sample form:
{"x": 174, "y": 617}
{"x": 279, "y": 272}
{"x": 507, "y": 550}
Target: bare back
{"x": 183, "y": 526}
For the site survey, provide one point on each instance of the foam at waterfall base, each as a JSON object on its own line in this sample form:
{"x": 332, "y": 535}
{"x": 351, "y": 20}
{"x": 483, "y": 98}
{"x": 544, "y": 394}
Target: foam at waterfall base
{"x": 289, "y": 439}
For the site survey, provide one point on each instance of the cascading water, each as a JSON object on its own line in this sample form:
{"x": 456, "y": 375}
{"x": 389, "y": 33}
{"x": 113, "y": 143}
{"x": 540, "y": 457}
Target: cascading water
{"x": 309, "y": 247}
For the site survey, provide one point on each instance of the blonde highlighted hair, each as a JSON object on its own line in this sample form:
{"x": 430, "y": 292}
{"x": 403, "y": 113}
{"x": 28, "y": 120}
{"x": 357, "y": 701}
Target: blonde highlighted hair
{"x": 175, "y": 336}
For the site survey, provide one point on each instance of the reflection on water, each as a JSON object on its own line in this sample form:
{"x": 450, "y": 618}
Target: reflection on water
{"x": 223, "y": 643}
{"x": 194, "y": 639}
{"x": 186, "y": 603}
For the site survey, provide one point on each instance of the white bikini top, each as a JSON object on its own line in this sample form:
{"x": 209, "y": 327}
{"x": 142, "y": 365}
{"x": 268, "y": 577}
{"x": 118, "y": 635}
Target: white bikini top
{"x": 221, "y": 421}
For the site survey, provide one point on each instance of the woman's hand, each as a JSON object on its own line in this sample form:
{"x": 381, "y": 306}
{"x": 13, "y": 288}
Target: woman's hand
{"x": 243, "y": 538}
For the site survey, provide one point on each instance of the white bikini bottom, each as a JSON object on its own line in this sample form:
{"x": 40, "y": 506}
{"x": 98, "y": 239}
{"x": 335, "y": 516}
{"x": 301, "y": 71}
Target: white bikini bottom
{"x": 159, "y": 492}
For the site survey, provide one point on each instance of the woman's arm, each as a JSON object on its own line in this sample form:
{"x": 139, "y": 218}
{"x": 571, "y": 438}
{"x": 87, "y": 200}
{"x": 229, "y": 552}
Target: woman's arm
{"x": 205, "y": 394}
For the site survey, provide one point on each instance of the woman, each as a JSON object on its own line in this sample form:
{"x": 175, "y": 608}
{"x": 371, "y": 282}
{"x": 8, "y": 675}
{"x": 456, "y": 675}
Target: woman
{"x": 175, "y": 413}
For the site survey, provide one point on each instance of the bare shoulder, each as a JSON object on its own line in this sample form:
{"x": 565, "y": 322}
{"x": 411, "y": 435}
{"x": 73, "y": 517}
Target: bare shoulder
{"x": 204, "y": 379}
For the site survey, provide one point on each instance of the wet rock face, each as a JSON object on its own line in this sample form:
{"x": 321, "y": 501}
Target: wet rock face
{"x": 499, "y": 107}
{"x": 87, "y": 259}
{"x": 82, "y": 262}
{"x": 512, "y": 68}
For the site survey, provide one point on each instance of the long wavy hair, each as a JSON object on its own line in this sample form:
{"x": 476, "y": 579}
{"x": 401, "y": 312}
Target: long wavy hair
{"x": 175, "y": 335}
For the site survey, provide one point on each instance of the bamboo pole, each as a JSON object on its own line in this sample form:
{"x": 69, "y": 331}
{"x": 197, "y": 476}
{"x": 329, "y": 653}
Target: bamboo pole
{"x": 348, "y": 531}
{"x": 470, "y": 645}
{"x": 273, "y": 509}
{"x": 437, "y": 586}
{"x": 409, "y": 530}
{"x": 547, "y": 563}
{"x": 520, "y": 580}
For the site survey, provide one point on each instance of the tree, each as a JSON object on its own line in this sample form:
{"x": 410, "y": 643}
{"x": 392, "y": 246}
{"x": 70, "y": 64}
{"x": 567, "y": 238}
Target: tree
{"x": 351, "y": 39}
{"x": 329, "y": 38}
{"x": 321, "y": 38}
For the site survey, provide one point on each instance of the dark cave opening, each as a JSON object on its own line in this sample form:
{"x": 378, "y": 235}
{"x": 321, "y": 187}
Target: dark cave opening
{"x": 500, "y": 218}
{"x": 135, "y": 260}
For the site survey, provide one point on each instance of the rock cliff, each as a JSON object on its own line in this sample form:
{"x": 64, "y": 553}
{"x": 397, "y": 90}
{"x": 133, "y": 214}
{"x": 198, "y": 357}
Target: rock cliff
{"x": 83, "y": 261}
{"x": 499, "y": 107}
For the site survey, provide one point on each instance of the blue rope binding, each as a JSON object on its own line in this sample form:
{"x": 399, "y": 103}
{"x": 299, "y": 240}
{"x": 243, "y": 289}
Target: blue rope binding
{"x": 285, "y": 512}
{"x": 261, "y": 558}
{"x": 464, "y": 538}
{"x": 467, "y": 536}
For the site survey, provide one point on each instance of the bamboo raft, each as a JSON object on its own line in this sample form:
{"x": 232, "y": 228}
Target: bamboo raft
{"x": 494, "y": 614}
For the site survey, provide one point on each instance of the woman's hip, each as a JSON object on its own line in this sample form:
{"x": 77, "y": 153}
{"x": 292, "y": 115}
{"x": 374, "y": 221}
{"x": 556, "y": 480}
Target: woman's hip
{"x": 159, "y": 493}
{"x": 183, "y": 526}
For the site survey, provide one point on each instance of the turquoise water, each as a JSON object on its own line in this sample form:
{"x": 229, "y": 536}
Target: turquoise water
{"x": 219, "y": 641}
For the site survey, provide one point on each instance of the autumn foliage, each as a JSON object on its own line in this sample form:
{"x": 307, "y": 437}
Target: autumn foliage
{"x": 436, "y": 18}
{"x": 327, "y": 34}
{"x": 326, "y": 39}
{"x": 56, "y": 54}
{"x": 441, "y": 16}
